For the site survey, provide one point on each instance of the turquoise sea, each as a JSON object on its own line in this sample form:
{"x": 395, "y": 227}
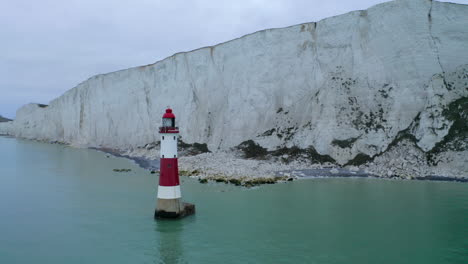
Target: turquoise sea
{"x": 60, "y": 204}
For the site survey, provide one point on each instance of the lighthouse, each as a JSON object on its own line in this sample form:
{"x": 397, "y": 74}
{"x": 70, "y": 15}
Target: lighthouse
{"x": 169, "y": 204}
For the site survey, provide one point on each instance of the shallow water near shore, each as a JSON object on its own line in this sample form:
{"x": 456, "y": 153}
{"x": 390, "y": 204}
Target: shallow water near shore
{"x": 60, "y": 204}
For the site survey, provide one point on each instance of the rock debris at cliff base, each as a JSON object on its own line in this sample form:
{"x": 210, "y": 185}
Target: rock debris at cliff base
{"x": 403, "y": 161}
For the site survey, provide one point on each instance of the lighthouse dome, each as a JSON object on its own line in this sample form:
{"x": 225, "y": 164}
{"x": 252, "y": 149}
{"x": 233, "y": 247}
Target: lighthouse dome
{"x": 168, "y": 114}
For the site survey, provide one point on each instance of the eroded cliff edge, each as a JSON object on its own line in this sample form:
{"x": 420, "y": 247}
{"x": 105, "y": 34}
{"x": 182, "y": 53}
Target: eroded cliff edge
{"x": 354, "y": 88}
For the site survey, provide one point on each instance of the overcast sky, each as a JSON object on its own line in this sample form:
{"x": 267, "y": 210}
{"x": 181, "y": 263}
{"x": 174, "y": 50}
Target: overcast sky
{"x": 49, "y": 46}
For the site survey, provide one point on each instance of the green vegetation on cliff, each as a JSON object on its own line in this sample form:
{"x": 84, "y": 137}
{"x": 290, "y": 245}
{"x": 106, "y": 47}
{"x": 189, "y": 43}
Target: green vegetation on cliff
{"x": 4, "y": 119}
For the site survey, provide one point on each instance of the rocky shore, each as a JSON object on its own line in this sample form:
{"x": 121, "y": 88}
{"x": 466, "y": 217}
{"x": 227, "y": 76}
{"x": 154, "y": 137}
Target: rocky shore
{"x": 232, "y": 167}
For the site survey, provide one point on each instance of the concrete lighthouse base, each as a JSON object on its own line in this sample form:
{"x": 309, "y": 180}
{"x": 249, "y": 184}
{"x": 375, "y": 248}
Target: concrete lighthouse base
{"x": 173, "y": 209}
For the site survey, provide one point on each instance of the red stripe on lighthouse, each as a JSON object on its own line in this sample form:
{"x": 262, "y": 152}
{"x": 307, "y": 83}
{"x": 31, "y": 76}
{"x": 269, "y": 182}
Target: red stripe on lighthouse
{"x": 169, "y": 172}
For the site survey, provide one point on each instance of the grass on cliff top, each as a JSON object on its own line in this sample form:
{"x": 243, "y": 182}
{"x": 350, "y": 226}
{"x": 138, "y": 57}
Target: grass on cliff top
{"x": 4, "y": 119}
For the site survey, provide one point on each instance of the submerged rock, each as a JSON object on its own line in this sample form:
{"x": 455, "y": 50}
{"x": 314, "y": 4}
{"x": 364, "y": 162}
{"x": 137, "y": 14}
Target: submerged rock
{"x": 203, "y": 180}
{"x": 122, "y": 170}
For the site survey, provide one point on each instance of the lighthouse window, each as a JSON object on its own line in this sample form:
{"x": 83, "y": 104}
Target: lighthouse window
{"x": 174, "y": 137}
{"x": 163, "y": 137}
{"x": 168, "y": 122}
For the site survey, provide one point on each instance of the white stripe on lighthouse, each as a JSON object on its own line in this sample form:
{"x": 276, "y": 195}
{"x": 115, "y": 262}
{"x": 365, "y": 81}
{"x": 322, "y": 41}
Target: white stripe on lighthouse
{"x": 168, "y": 145}
{"x": 169, "y": 192}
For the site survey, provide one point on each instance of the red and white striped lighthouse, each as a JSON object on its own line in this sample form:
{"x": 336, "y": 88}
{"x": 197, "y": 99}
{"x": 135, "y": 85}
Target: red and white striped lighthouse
{"x": 169, "y": 203}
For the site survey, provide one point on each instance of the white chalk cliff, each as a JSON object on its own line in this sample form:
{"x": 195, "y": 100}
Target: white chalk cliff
{"x": 349, "y": 86}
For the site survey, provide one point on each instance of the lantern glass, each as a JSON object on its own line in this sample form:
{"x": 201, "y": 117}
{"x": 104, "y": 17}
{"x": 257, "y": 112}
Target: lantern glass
{"x": 168, "y": 122}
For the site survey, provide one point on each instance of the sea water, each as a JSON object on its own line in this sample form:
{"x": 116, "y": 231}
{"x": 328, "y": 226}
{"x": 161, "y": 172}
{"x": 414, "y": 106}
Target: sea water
{"x": 60, "y": 204}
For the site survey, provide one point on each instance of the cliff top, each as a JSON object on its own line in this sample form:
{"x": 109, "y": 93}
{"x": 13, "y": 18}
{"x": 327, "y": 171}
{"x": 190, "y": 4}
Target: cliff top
{"x": 4, "y": 119}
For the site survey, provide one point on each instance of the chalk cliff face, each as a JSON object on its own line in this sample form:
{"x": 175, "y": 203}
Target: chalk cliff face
{"x": 348, "y": 86}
